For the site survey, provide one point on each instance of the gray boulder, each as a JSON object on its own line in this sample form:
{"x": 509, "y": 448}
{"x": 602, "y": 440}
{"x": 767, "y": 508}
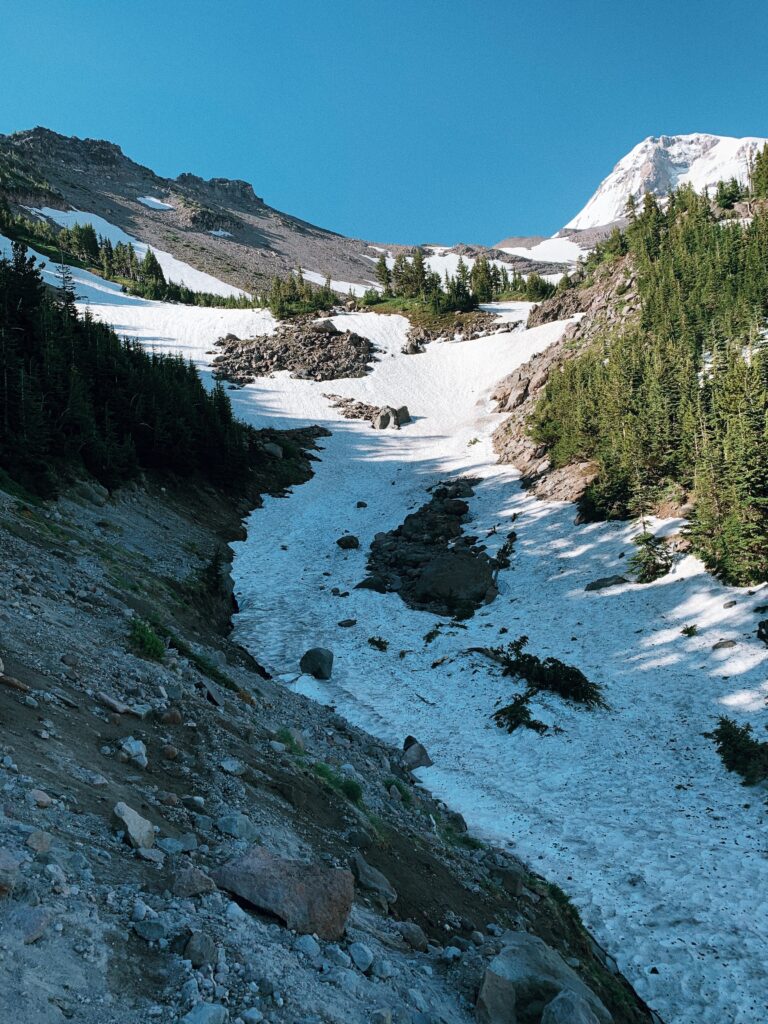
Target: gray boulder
{"x": 206, "y": 1013}
{"x": 138, "y": 831}
{"x": 372, "y": 879}
{"x": 348, "y": 542}
{"x": 273, "y": 449}
{"x": 415, "y": 754}
{"x": 568, "y": 1008}
{"x": 382, "y": 418}
{"x": 403, "y": 416}
{"x": 317, "y": 662}
{"x": 524, "y": 978}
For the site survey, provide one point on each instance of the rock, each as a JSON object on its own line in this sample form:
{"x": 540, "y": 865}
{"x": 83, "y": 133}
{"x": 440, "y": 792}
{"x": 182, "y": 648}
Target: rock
{"x": 373, "y": 582}
{"x": 325, "y": 327}
{"x": 348, "y": 542}
{"x": 32, "y": 923}
{"x": 206, "y": 1013}
{"x": 762, "y": 631}
{"x": 526, "y": 976}
{"x": 568, "y": 1008}
{"x": 192, "y": 882}
{"x": 308, "y": 897}
{"x": 135, "y": 750}
{"x": 413, "y": 935}
{"x": 231, "y": 766}
{"x": 455, "y": 577}
{"x": 360, "y": 504}
{"x": 238, "y": 825}
{"x": 347, "y": 623}
{"x": 372, "y": 879}
{"x": 252, "y": 1016}
{"x": 151, "y": 930}
{"x": 415, "y": 754}
{"x": 606, "y": 581}
{"x": 40, "y": 842}
{"x": 39, "y": 798}
{"x": 361, "y": 955}
{"x": 309, "y": 946}
{"x": 382, "y": 419}
{"x": 317, "y": 662}
{"x": 273, "y": 449}
{"x": 200, "y": 949}
{"x": 403, "y": 416}
{"x": 723, "y": 645}
{"x": 138, "y": 831}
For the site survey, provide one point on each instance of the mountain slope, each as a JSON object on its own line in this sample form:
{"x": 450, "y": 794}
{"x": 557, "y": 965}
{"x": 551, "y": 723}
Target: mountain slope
{"x": 660, "y": 164}
{"x": 219, "y": 225}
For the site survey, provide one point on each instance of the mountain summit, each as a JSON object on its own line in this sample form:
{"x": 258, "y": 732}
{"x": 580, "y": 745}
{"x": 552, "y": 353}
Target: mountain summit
{"x": 659, "y": 164}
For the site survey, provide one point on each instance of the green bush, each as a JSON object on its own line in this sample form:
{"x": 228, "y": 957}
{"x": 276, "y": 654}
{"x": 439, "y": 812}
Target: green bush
{"x": 651, "y": 560}
{"x": 145, "y": 641}
{"x": 551, "y": 674}
{"x": 517, "y": 714}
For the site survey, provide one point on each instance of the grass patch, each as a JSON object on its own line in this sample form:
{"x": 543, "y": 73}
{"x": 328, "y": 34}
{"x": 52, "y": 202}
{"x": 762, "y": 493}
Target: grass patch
{"x": 740, "y": 751}
{"x": 283, "y": 736}
{"x": 145, "y": 641}
{"x": 349, "y": 788}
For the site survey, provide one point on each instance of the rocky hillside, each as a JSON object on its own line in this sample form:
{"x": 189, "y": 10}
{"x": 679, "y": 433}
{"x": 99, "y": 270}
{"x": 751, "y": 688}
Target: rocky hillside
{"x": 183, "y": 839}
{"x": 609, "y": 301}
{"x": 219, "y": 225}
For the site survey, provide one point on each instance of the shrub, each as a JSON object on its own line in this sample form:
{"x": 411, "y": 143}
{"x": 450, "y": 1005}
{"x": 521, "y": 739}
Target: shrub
{"x": 550, "y": 674}
{"x": 740, "y": 751}
{"x": 145, "y": 641}
{"x": 517, "y": 714}
{"x": 690, "y": 630}
{"x": 652, "y": 560}
{"x": 379, "y": 643}
{"x": 350, "y": 788}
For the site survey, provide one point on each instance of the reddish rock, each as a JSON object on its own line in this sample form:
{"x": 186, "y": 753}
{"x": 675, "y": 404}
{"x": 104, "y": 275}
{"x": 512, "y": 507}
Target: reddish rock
{"x": 310, "y": 898}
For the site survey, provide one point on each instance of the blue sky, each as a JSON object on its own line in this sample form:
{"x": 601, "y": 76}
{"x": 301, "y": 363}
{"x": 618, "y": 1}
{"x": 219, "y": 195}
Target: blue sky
{"x": 395, "y": 120}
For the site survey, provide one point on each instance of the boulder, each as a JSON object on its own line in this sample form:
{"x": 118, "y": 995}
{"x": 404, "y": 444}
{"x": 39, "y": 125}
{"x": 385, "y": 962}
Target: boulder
{"x": 403, "y": 416}
{"x": 192, "y": 882}
{"x": 415, "y": 754}
{"x": 762, "y": 631}
{"x": 381, "y": 419}
{"x": 309, "y": 898}
{"x": 317, "y": 662}
{"x": 413, "y": 935}
{"x": 325, "y": 327}
{"x": 372, "y": 879}
{"x": 273, "y": 449}
{"x": 206, "y": 1013}
{"x": 454, "y": 576}
{"x": 200, "y": 949}
{"x": 568, "y": 1008}
{"x": 139, "y": 832}
{"x": 605, "y": 582}
{"x": 348, "y": 542}
{"x": 525, "y": 977}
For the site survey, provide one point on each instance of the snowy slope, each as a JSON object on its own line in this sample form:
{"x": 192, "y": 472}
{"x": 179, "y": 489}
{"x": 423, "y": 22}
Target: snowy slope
{"x": 175, "y": 270}
{"x": 629, "y": 810}
{"x": 660, "y": 164}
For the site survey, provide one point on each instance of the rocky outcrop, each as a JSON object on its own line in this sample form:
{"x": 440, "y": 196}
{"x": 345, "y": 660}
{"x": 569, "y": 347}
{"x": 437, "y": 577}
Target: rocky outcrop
{"x": 429, "y": 562}
{"x": 380, "y": 417}
{"x": 308, "y": 350}
{"x": 609, "y": 302}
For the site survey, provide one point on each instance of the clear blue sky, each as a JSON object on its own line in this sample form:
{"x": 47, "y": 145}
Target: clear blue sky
{"x": 391, "y": 120}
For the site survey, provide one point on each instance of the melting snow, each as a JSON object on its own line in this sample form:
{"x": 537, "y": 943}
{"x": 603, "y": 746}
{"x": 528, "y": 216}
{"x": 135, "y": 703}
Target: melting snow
{"x": 155, "y": 204}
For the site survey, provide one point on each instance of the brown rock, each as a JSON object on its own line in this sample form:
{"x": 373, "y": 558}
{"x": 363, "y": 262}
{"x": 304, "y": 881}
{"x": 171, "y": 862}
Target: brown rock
{"x": 193, "y": 882}
{"x": 310, "y": 898}
{"x": 39, "y": 841}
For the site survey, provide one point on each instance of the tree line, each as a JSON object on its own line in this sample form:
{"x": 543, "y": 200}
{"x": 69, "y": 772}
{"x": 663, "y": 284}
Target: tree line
{"x": 676, "y": 404}
{"x": 75, "y": 397}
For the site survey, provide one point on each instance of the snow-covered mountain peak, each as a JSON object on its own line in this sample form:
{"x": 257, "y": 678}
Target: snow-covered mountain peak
{"x": 659, "y": 164}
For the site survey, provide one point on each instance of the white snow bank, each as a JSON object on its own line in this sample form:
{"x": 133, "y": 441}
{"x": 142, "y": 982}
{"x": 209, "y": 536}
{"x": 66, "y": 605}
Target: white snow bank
{"x": 155, "y": 204}
{"x": 339, "y": 286}
{"x": 174, "y": 269}
{"x": 551, "y": 250}
{"x": 220, "y": 233}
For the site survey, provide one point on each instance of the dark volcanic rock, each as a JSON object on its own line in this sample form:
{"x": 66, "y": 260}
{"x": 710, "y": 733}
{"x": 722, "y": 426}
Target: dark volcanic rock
{"x": 317, "y": 662}
{"x": 428, "y": 561}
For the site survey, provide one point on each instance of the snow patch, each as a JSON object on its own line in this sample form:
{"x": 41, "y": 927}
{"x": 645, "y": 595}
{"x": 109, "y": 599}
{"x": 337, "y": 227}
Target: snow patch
{"x": 155, "y": 204}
